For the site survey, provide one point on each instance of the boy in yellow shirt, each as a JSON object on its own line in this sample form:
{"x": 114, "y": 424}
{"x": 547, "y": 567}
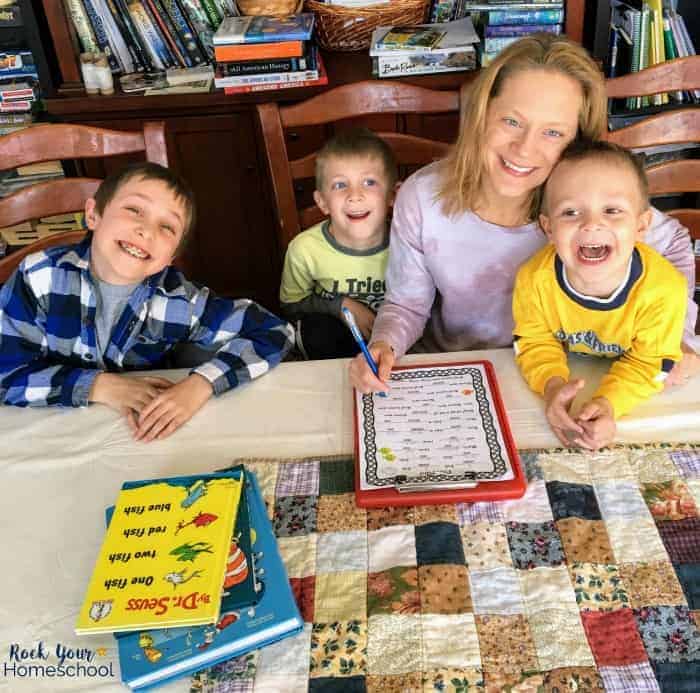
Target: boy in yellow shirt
{"x": 597, "y": 289}
{"x": 341, "y": 262}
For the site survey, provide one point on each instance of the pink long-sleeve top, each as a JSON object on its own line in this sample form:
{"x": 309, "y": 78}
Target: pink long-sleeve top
{"x": 453, "y": 277}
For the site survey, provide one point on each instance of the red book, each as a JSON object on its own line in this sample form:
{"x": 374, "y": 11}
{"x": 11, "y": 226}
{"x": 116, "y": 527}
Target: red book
{"x": 274, "y": 86}
{"x": 258, "y": 51}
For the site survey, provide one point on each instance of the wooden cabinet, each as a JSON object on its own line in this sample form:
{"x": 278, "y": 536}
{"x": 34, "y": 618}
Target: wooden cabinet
{"x": 213, "y": 142}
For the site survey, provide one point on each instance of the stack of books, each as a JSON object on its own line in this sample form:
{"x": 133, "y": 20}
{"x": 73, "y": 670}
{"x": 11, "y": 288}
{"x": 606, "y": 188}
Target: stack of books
{"x": 502, "y": 23}
{"x": 424, "y": 49}
{"x": 258, "y": 53}
{"x": 189, "y": 575}
{"x": 18, "y": 85}
{"x": 642, "y": 34}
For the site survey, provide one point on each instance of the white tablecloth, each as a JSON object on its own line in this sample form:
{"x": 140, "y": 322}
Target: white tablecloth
{"x": 61, "y": 468}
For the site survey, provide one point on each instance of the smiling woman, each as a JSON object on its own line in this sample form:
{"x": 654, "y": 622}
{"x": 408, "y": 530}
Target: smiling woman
{"x": 462, "y": 226}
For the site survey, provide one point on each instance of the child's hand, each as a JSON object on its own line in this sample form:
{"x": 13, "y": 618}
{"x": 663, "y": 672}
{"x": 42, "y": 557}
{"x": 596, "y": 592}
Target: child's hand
{"x": 558, "y": 396}
{"x": 172, "y": 408}
{"x": 598, "y": 421}
{"x": 685, "y": 369}
{"x": 127, "y": 394}
{"x": 361, "y": 376}
{"x": 364, "y": 316}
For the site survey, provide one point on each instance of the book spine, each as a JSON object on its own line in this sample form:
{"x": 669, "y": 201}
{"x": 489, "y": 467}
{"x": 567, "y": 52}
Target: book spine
{"x": 407, "y": 68}
{"x": 261, "y": 51}
{"x": 526, "y": 17}
{"x": 261, "y": 67}
{"x": 101, "y": 36}
{"x": 114, "y": 34}
{"x": 521, "y": 29}
{"x": 495, "y": 44}
{"x": 249, "y": 88}
{"x": 133, "y": 37}
{"x": 200, "y": 25}
{"x": 123, "y": 29}
{"x": 184, "y": 31}
{"x": 150, "y": 39}
{"x": 167, "y": 56}
{"x": 170, "y": 36}
{"x": 272, "y": 78}
{"x": 82, "y": 25}
{"x": 611, "y": 58}
{"x": 212, "y": 13}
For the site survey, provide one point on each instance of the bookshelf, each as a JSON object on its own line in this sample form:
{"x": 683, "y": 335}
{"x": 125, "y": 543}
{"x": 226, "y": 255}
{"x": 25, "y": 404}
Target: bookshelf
{"x": 214, "y": 142}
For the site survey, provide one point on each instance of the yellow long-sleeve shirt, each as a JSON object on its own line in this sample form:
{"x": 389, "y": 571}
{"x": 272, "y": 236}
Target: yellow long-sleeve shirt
{"x": 640, "y": 325}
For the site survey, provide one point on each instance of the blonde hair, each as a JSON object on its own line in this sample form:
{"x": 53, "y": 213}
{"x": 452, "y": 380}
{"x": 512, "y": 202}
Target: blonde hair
{"x": 462, "y": 170}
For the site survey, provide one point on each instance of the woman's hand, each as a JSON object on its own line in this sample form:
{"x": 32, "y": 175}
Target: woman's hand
{"x": 361, "y": 376}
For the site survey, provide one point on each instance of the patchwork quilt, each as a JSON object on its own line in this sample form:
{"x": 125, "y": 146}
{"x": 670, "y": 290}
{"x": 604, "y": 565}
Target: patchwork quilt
{"x": 590, "y": 582}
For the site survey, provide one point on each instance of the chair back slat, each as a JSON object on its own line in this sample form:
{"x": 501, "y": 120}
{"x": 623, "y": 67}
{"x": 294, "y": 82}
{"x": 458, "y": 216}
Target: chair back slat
{"x": 673, "y": 75}
{"x": 672, "y": 127}
{"x": 679, "y": 176}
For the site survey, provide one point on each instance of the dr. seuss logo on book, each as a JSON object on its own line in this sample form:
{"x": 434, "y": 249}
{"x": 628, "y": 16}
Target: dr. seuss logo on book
{"x": 41, "y": 660}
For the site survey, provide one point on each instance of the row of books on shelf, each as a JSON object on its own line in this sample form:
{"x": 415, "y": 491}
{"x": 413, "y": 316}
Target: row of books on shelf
{"x": 643, "y": 33}
{"x": 147, "y": 35}
{"x": 189, "y": 575}
{"x": 258, "y": 53}
{"x": 500, "y": 11}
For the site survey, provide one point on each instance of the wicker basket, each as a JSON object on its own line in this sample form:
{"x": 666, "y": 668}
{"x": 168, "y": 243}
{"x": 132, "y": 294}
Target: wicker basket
{"x": 341, "y": 28}
{"x": 272, "y": 8}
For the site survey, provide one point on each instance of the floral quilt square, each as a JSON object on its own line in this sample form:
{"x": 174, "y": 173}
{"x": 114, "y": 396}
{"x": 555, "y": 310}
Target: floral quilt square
{"x": 338, "y": 513}
{"x": 506, "y": 643}
{"x": 485, "y": 545}
{"x": 391, "y": 546}
{"x": 598, "y": 586}
{"x": 633, "y": 678}
{"x": 449, "y": 640}
{"x": 394, "y": 644}
{"x": 520, "y": 682}
{"x": 393, "y": 591}
{"x": 585, "y": 540}
{"x": 613, "y": 637}
{"x": 669, "y": 500}
{"x": 669, "y": 633}
{"x": 531, "y": 465}
{"x": 378, "y": 518}
{"x": 298, "y": 479}
{"x": 496, "y": 591}
{"x": 652, "y": 464}
{"x": 534, "y": 544}
{"x": 682, "y": 540}
{"x": 650, "y": 584}
{"x": 339, "y": 648}
{"x": 395, "y": 683}
{"x": 294, "y": 515}
{"x": 452, "y": 680}
{"x": 341, "y": 596}
{"x": 337, "y": 551}
{"x": 573, "y": 500}
{"x": 439, "y": 542}
{"x": 444, "y": 589}
{"x": 583, "y": 679}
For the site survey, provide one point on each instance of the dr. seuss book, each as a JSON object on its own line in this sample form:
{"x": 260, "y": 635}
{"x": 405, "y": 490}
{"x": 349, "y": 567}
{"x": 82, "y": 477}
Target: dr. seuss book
{"x": 163, "y": 557}
{"x": 152, "y": 657}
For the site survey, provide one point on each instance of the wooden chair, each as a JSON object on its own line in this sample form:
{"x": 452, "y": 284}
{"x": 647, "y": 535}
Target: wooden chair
{"x": 51, "y": 142}
{"x": 358, "y": 100}
{"x": 671, "y": 127}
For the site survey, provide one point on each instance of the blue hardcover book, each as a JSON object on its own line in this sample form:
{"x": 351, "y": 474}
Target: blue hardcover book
{"x": 260, "y": 29}
{"x": 150, "y": 658}
{"x": 520, "y": 29}
{"x": 526, "y": 17}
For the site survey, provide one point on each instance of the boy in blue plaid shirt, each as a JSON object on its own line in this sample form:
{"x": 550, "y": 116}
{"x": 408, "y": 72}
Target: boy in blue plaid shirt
{"x": 73, "y": 318}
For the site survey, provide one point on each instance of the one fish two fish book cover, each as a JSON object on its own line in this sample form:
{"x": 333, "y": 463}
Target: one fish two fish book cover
{"x": 150, "y": 658}
{"x": 162, "y": 560}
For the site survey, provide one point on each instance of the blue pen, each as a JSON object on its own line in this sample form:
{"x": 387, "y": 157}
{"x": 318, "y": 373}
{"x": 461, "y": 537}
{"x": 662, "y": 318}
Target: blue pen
{"x": 350, "y": 320}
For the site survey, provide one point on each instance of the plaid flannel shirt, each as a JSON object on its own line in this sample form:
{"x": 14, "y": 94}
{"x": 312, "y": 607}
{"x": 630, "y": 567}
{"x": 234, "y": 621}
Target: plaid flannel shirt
{"x": 48, "y": 347}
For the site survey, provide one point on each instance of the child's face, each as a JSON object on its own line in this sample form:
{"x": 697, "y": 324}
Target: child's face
{"x": 356, "y": 196}
{"x": 595, "y": 214}
{"x": 138, "y": 232}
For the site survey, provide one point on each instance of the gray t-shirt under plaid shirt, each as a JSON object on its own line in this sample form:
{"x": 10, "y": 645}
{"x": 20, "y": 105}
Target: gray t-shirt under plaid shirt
{"x": 110, "y": 300}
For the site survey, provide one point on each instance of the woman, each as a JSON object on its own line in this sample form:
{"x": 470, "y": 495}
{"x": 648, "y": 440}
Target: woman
{"x": 463, "y": 226}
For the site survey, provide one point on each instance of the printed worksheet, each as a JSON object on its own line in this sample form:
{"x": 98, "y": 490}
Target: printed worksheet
{"x": 439, "y": 425}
